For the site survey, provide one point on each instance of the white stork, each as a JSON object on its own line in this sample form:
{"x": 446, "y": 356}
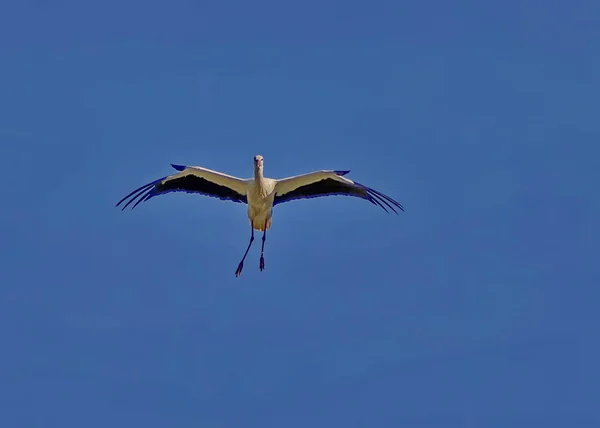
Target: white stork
{"x": 260, "y": 193}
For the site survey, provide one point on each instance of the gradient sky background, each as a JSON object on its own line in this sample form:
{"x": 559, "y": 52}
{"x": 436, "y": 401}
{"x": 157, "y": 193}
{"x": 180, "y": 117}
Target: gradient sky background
{"x": 478, "y": 307}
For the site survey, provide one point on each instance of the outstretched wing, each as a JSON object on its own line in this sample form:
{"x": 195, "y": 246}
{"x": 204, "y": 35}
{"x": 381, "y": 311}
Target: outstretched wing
{"x": 326, "y": 183}
{"x": 191, "y": 179}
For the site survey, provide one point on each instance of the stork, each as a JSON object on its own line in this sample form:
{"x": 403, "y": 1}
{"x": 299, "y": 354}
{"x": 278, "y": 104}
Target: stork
{"x": 260, "y": 193}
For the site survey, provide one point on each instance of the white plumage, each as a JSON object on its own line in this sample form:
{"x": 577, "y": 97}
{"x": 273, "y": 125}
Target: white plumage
{"x": 260, "y": 193}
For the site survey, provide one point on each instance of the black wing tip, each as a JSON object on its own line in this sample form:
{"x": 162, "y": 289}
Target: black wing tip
{"x": 341, "y": 172}
{"x": 178, "y": 167}
{"x": 146, "y": 192}
{"x": 381, "y": 199}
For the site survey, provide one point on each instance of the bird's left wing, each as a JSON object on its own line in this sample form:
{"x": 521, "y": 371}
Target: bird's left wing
{"x": 191, "y": 179}
{"x": 326, "y": 183}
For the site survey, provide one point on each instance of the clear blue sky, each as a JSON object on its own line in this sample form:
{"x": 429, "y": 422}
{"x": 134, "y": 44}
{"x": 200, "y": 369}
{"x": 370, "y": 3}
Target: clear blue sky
{"x": 477, "y": 307}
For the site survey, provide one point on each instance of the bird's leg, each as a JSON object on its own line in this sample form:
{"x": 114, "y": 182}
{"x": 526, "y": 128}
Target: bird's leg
{"x": 262, "y": 250}
{"x": 241, "y": 265}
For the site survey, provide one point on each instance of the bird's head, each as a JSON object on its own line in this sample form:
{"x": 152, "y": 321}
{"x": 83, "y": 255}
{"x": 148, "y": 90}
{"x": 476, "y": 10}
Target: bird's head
{"x": 258, "y": 162}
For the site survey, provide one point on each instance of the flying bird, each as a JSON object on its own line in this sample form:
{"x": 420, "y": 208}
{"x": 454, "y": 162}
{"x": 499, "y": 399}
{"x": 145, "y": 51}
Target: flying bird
{"x": 260, "y": 193}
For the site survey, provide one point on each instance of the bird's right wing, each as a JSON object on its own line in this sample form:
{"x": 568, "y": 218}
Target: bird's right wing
{"x": 192, "y": 179}
{"x": 326, "y": 183}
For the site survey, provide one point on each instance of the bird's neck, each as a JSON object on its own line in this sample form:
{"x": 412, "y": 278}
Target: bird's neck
{"x": 258, "y": 176}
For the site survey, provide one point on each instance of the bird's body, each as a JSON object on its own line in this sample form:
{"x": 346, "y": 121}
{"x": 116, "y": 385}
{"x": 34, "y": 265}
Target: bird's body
{"x": 260, "y": 193}
{"x": 260, "y": 196}
{"x": 260, "y": 203}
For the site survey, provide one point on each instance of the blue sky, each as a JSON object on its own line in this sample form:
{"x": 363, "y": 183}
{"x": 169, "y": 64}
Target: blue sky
{"x": 477, "y": 307}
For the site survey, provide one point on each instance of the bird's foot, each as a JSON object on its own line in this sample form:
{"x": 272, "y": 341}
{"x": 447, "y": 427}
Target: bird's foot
{"x": 239, "y": 269}
{"x": 262, "y": 263}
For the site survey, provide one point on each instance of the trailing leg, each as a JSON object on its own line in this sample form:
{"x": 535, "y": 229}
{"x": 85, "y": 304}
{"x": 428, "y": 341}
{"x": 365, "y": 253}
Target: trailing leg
{"x": 241, "y": 265}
